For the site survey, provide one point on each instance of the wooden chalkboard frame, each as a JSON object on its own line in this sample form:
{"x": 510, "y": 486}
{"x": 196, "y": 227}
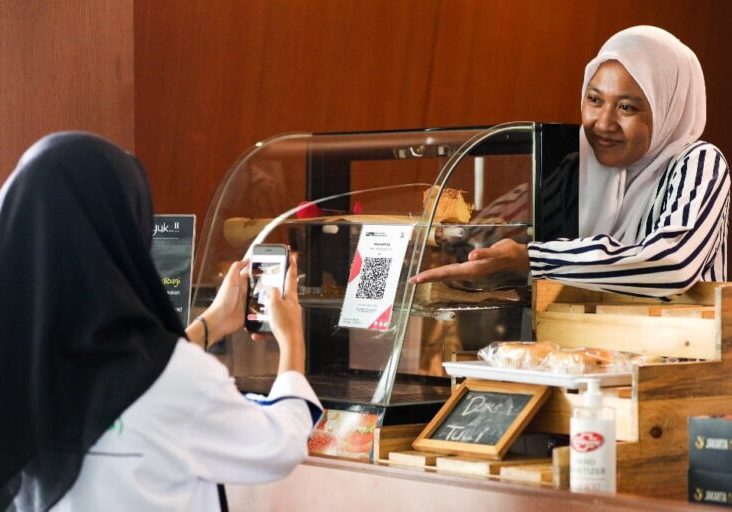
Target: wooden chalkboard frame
{"x": 538, "y": 394}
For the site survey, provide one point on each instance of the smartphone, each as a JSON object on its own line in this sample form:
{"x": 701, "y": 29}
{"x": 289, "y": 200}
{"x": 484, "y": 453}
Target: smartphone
{"x": 267, "y": 269}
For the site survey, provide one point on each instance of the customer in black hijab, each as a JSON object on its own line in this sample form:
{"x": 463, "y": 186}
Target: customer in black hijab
{"x": 86, "y": 327}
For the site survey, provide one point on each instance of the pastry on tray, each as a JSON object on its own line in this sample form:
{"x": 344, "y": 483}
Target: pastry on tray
{"x": 547, "y": 356}
{"x": 451, "y": 207}
{"x": 517, "y": 354}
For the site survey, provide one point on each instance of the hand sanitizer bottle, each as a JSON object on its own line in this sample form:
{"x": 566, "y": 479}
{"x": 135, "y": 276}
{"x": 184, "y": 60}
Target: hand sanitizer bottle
{"x": 592, "y": 449}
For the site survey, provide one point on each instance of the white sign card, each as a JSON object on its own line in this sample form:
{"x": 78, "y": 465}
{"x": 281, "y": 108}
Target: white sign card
{"x": 374, "y": 276}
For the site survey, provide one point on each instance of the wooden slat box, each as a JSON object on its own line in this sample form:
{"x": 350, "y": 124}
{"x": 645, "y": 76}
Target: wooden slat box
{"x": 652, "y": 420}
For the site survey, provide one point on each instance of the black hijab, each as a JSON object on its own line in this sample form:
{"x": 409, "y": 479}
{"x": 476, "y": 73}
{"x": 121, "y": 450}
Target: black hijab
{"x": 85, "y": 324}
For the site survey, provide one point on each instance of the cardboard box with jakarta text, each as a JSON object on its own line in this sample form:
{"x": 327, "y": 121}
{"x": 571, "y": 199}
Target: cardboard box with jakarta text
{"x": 710, "y": 460}
{"x": 710, "y": 443}
{"x": 712, "y": 487}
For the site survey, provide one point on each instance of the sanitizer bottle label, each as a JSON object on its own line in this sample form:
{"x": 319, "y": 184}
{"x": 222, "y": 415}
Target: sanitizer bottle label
{"x": 592, "y": 455}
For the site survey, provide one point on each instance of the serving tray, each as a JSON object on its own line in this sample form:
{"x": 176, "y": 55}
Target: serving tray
{"x": 483, "y": 370}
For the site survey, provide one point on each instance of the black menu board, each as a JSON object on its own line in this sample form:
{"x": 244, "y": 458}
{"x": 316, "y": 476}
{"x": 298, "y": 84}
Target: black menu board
{"x": 482, "y": 418}
{"x": 172, "y": 252}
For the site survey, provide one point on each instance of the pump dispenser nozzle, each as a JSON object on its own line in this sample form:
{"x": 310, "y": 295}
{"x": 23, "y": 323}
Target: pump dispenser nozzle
{"x": 592, "y": 395}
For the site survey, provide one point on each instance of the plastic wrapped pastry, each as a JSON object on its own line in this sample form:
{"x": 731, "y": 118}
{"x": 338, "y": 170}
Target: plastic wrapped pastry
{"x": 516, "y": 354}
{"x": 575, "y": 361}
{"x": 547, "y": 356}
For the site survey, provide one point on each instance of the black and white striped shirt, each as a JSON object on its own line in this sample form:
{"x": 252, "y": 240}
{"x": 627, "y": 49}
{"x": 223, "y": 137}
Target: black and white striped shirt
{"x": 682, "y": 239}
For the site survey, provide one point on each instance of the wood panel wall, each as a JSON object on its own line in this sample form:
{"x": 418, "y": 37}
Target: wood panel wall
{"x": 212, "y": 78}
{"x": 64, "y": 65}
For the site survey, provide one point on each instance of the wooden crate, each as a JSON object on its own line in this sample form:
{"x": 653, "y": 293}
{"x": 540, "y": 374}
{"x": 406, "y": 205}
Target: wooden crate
{"x": 652, "y": 417}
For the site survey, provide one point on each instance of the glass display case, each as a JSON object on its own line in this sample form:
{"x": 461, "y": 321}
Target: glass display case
{"x": 436, "y": 194}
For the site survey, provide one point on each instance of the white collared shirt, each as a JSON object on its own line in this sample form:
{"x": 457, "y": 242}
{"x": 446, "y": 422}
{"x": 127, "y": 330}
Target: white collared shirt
{"x": 191, "y": 429}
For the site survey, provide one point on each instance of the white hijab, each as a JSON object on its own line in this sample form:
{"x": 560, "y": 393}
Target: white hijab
{"x": 612, "y": 200}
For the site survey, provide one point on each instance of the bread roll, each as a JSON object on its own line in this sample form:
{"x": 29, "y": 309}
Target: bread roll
{"x": 516, "y": 354}
{"x": 451, "y": 207}
{"x": 573, "y": 362}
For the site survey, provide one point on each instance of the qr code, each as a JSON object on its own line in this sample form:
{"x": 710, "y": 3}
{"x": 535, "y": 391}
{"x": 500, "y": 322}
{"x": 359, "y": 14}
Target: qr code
{"x": 373, "y": 278}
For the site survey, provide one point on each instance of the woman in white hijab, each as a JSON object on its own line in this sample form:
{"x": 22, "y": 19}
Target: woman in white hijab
{"x": 653, "y": 199}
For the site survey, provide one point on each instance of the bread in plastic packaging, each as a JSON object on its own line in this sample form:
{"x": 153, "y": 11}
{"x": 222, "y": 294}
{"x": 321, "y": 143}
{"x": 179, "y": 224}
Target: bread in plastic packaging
{"x": 547, "y": 356}
{"x": 516, "y": 354}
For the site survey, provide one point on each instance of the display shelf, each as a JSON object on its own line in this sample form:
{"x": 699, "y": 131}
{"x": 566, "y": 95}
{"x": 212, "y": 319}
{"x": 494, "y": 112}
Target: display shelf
{"x": 484, "y": 370}
{"x": 418, "y": 310}
{"x": 355, "y": 388}
{"x": 321, "y": 302}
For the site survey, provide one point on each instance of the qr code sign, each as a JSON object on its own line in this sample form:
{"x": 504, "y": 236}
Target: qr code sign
{"x": 373, "y": 278}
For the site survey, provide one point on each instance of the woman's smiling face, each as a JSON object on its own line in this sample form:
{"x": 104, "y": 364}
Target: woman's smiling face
{"x": 616, "y": 116}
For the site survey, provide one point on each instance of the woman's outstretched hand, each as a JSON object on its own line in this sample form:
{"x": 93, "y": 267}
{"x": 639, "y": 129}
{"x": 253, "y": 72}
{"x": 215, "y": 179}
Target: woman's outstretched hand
{"x": 505, "y": 254}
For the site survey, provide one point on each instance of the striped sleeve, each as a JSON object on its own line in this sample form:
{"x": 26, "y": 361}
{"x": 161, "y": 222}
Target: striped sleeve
{"x": 684, "y": 241}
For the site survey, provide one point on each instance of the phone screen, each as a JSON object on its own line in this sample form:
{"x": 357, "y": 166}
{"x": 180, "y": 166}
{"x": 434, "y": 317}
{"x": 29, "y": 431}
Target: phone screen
{"x": 267, "y": 270}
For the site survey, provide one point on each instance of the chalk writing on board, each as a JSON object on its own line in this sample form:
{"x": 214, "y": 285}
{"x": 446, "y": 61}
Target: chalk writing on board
{"x": 172, "y": 253}
{"x": 481, "y": 417}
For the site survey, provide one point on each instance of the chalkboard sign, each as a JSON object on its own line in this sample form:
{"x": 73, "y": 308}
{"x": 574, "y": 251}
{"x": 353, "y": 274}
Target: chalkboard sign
{"x": 482, "y": 418}
{"x": 172, "y": 253}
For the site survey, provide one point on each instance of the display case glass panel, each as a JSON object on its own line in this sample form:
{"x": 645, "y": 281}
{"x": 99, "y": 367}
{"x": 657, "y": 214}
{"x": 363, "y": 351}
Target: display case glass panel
{"x": 447, "y": 191}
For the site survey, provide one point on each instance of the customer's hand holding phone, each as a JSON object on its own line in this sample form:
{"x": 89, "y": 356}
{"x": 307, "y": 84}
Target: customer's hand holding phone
{"x": 286, "y": 322}
{"x": 225, "y": 315}
{"x": 268, "y": 269}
